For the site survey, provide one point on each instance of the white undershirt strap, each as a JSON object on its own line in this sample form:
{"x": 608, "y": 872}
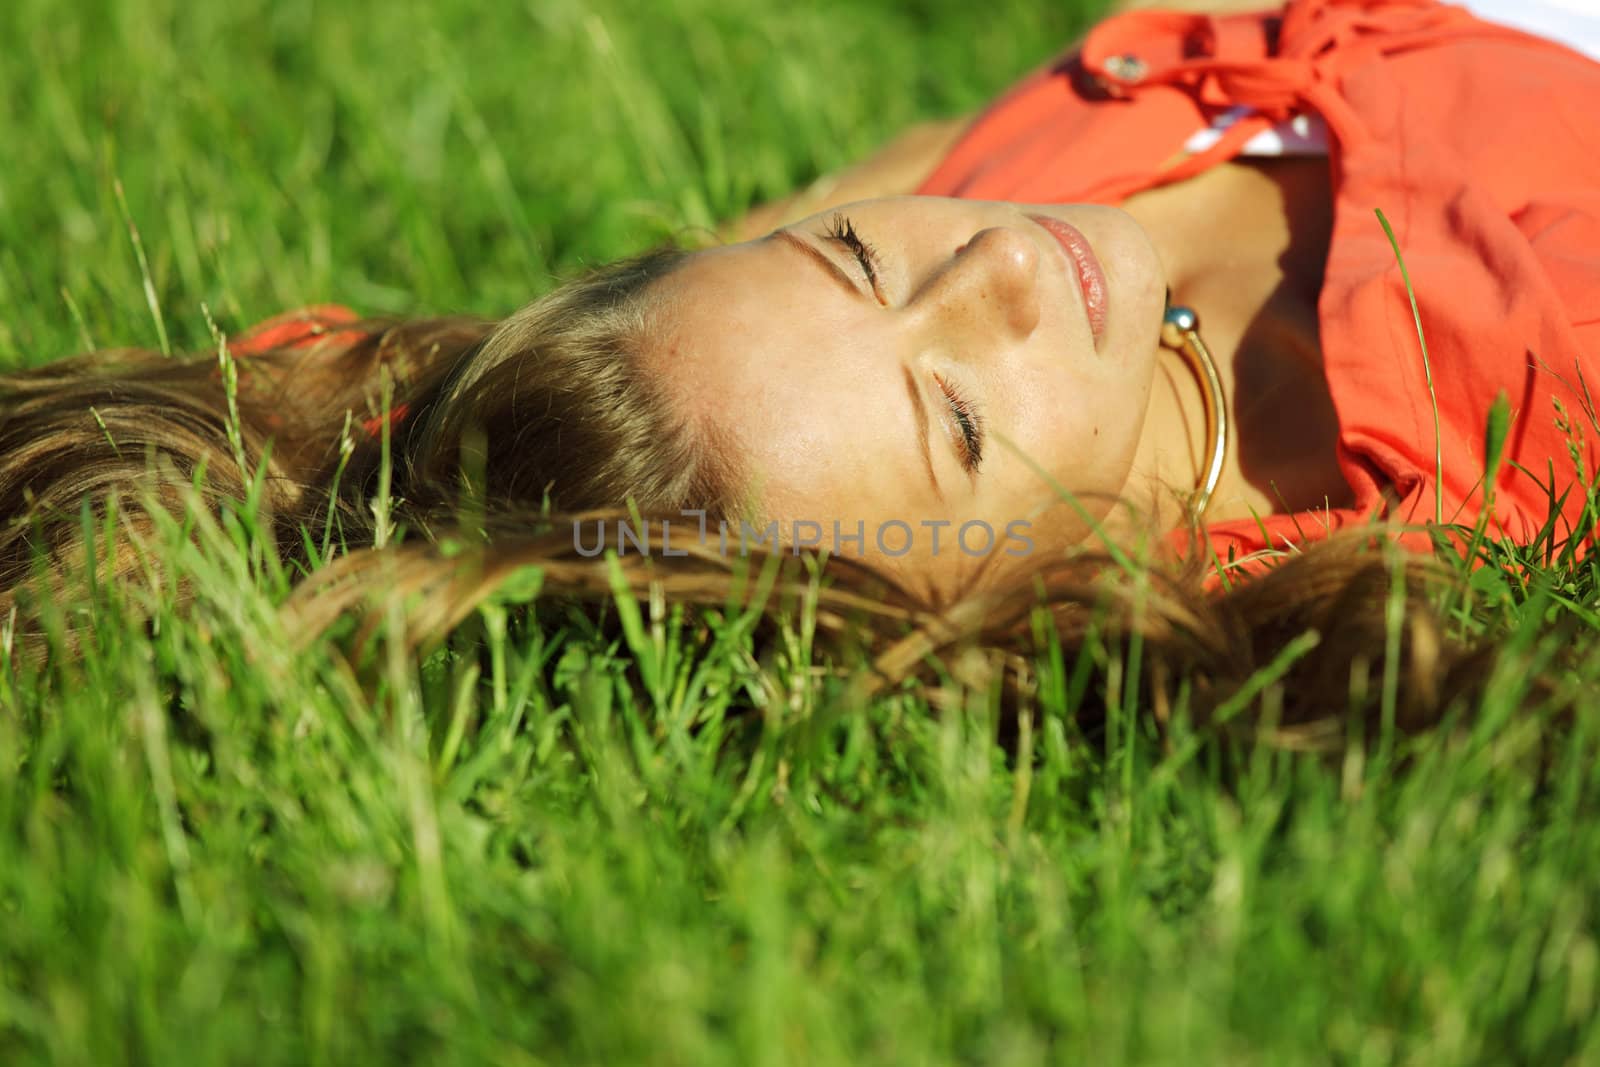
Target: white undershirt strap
{"x": 1574, "y": 23}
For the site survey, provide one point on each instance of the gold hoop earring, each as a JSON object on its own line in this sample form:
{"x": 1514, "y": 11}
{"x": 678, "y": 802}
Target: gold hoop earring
{"x": 1180, "y": 330}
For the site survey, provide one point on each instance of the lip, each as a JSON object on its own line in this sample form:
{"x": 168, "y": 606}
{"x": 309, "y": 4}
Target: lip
{"x": 1085, "y": 267}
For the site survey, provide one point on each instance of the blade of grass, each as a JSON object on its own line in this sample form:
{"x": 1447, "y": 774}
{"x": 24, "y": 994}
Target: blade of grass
{"x": 1427, "y": 371}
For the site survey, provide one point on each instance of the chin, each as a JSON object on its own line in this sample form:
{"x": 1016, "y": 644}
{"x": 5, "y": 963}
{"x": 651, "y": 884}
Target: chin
{"x": 1135, "y": 275}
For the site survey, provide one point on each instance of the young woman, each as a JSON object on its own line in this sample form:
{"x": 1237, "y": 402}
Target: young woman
{"x": 959, "y": 387}
{"x": 1248, "y": 157}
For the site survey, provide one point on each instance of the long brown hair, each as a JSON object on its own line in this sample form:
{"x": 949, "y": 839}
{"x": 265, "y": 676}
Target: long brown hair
{"x": 310, "y": 427}
{"x": 516, "y": 427}
{"x": 1342, "y": 638}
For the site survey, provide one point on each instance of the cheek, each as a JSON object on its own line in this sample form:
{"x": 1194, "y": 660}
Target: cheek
{"x": 1085, "y": 432}
{"x": 1118, "y": 404}
{"x": 1126, "y": 427}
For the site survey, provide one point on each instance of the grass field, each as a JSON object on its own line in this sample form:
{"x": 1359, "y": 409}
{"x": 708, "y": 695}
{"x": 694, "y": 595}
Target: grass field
{"x": 213, "y": 850}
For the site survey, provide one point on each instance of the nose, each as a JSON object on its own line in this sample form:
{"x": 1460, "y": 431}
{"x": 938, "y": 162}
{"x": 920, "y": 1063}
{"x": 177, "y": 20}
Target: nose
{"x": 990, "y": 286}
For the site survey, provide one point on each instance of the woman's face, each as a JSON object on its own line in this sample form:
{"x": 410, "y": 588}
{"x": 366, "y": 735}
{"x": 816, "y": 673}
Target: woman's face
{"x": 909, "y": 366}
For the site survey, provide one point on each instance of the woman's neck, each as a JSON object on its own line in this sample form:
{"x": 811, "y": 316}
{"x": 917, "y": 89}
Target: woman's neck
{"x": 1244, "y": 245}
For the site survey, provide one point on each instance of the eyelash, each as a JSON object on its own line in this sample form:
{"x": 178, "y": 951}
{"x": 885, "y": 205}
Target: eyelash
{"x": 843, "y": 231}
{"x": 970, "y": 423}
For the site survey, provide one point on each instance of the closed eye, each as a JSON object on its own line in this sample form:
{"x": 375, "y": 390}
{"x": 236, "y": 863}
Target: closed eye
{"x": 843, "y": 232}
{"x": 968, "y": 421}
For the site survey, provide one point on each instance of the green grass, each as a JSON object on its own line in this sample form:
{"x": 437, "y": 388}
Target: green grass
{"x": 213, "y": 849}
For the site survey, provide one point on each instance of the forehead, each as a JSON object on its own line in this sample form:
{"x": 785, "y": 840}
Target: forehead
{"x": 726, "y": 309}
{"x": 808, "y": 381}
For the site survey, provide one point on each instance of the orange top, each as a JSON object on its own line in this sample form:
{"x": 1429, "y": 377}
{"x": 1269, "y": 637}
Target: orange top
{"x": 1477, "y": 142}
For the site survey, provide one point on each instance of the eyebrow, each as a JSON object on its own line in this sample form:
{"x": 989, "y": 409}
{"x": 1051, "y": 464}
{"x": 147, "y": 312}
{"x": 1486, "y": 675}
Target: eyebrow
{"x": 919, "y": 415}
{"x": 816, "y": 254}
